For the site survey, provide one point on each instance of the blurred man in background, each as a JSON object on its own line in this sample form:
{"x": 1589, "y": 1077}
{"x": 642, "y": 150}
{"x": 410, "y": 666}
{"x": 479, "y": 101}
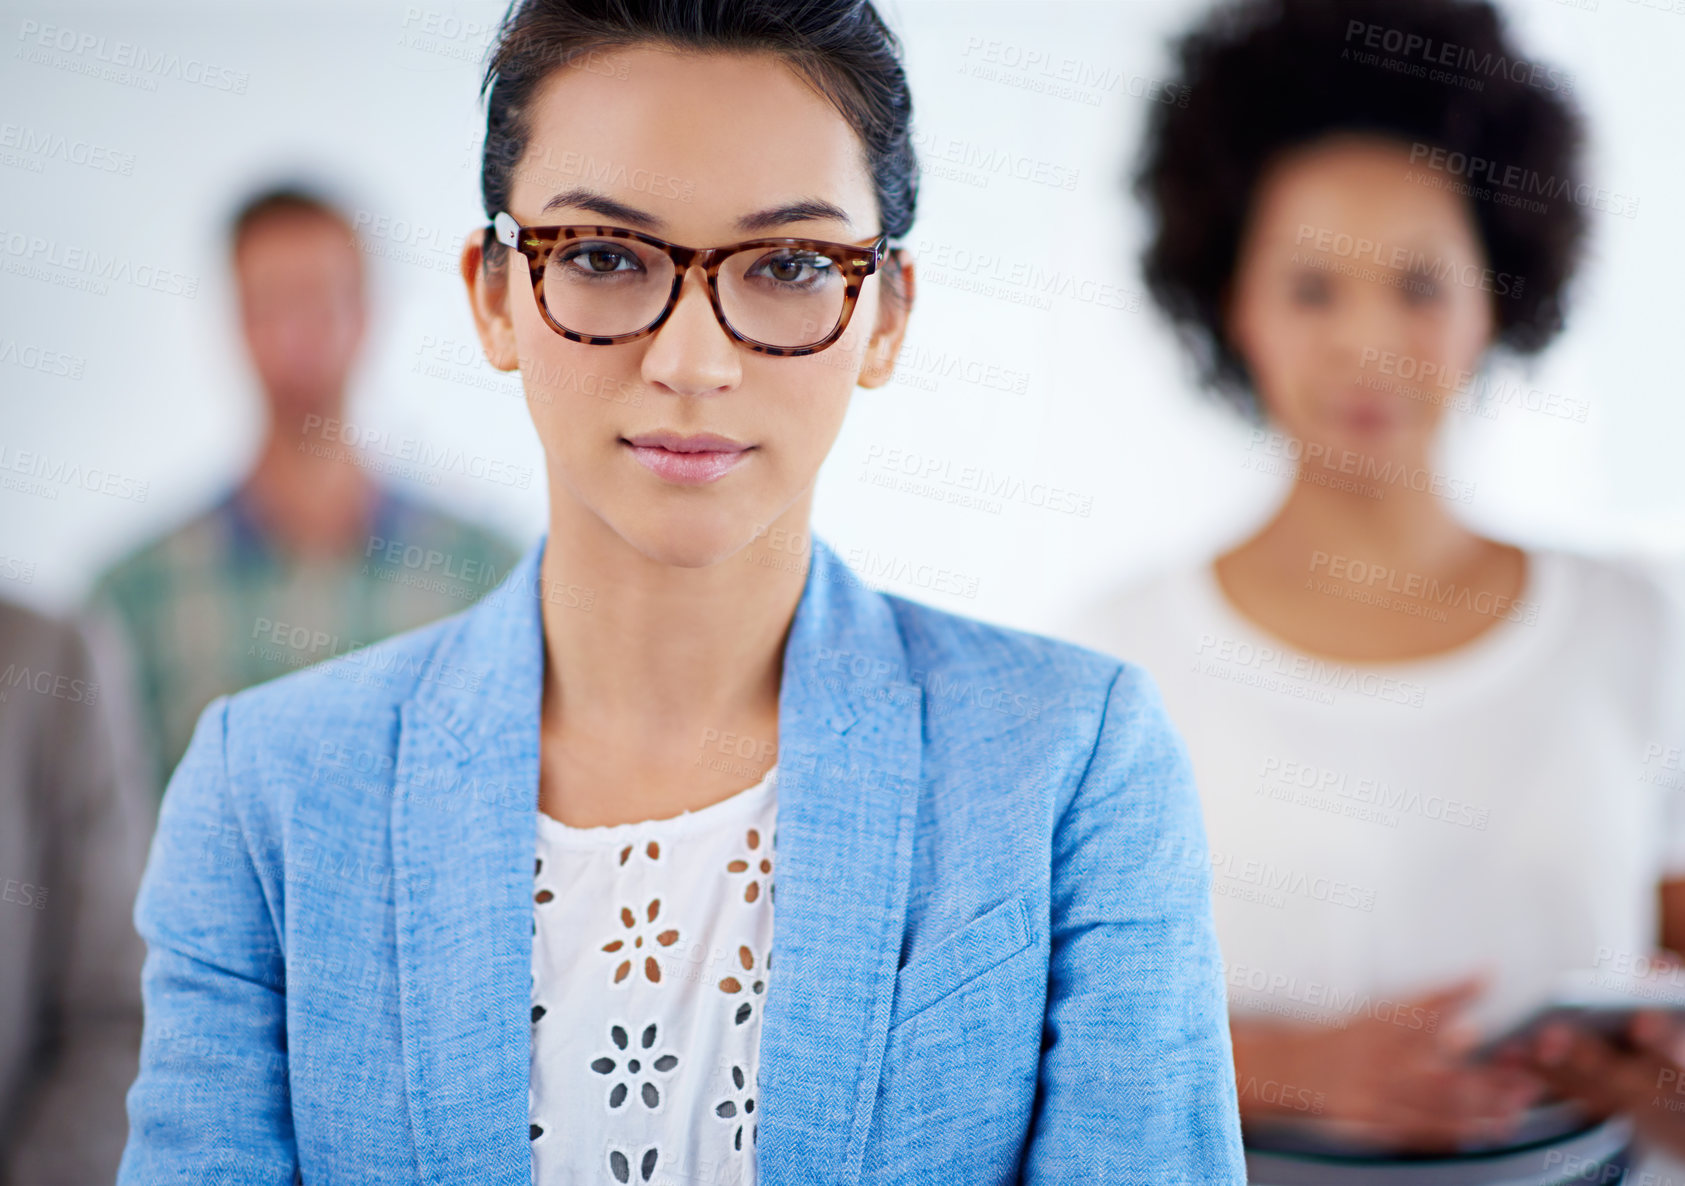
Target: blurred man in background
{"x": 75, "y": 817}
{"x": 309, "y": 556}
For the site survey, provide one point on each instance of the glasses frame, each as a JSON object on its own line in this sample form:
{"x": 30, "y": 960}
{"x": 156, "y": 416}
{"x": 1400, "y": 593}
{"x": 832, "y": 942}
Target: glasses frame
{"x": 859, "y": 261}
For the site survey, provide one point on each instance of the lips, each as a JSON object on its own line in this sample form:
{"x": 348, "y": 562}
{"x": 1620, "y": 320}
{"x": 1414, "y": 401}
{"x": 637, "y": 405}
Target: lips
{"x": 1360, "y": 410}
{"x": 675, "y": 443}
{"x": 687, "y": 460}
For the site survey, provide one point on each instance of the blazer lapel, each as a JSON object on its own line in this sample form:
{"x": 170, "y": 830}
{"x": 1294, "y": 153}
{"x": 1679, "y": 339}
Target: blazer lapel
{"x": 464, "y": 806}
{"x": 465, "y": 799}
{"x": 849, "y": 745}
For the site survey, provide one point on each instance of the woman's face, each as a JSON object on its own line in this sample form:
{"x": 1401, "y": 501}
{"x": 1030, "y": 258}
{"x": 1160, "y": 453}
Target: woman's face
{"x": 1361, "y": 301}
{"x": 703, "y": 150}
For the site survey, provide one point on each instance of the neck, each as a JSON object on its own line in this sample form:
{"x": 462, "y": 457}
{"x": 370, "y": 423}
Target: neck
{"x": 1405, "y": 528}
{"x": 307, "y": 489}
{"x": 676, "y": 650}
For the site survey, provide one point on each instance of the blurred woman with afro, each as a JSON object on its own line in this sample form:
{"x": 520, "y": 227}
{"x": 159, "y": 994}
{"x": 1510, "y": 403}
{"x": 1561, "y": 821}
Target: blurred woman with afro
{"x": 1421, "y": 750}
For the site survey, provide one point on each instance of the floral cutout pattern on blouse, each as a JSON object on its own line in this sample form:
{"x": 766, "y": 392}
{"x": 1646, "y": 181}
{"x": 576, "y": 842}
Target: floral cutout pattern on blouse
{"x": 657, "y": 1016}
{"x": 739, "y": 1107}
{"x": 636, "y": 1068}
{"x": 753, "y": 866}
{"x": 639, "y": 932}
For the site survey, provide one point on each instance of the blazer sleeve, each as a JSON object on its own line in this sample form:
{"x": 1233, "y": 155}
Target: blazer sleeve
{"x": 1137, "y": 1075}
{"x": 211, "y": 1103}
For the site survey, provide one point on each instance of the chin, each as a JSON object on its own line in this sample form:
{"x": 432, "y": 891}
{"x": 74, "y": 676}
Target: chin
{"x": 690, "y": 540}
{"x": 1375, "y": 439}
{"x": 1391, "y": 440}
{"x": 300, "y": 398}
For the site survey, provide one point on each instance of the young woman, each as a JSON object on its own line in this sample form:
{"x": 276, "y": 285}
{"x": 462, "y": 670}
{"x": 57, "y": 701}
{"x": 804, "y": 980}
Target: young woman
{"x": 494, "y": 902}
{"x": 1422, "y": 751}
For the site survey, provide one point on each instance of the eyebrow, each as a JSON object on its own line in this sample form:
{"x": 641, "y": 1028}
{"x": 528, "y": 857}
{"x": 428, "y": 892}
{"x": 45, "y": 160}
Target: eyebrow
{"x": 589, "y": 199}
{"x": 805, "y": 210}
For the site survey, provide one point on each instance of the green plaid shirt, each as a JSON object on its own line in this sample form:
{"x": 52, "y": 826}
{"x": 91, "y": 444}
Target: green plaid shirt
{"x": 216, "y": 606}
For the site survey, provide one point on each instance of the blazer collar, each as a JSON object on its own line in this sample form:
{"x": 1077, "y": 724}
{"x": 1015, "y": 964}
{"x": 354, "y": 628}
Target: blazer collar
{"x": 464, "y": 829}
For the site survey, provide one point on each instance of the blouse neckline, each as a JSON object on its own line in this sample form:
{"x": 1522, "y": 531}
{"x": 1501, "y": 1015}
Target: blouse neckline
{"x": 1469, "y": 669}
{"x": 733, "y": 806}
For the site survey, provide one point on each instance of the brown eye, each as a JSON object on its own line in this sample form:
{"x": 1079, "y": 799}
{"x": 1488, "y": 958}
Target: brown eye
{"x": 801, "y": 268}
{"x": 1420, "y": 289}
{"x": 1311, "y": 289}
{"x": 599, "y": 259}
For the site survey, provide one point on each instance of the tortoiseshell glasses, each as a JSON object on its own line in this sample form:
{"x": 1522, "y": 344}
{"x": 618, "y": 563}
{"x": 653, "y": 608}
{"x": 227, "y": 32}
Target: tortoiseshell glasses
{"x": 605, "y": 285}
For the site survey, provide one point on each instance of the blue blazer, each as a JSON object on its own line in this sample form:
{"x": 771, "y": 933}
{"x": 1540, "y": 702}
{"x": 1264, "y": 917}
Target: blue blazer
{"x": 993, "y": 952}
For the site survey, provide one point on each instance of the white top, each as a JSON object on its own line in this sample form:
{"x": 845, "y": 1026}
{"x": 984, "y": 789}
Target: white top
{"x": 649, "y": 968}
{"x": 1378, "y": 831}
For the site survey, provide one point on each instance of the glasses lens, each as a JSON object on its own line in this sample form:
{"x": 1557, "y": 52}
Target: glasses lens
{"x": 606, "y": 287}
{"x": 782, "y": 296}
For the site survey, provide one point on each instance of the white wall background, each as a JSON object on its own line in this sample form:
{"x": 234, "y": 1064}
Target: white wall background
{"x": 382, "y": 97}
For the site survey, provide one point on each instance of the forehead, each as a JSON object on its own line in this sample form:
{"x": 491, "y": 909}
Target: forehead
{"x": 1361, "y": 187}
{"x": 695, "y": 138}
{"x": 301, "y": 239}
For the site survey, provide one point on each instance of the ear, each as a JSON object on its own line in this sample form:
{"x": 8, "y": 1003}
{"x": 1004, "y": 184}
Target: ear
{"x": 488, "y": 298}
{"x": 884, "y": 346}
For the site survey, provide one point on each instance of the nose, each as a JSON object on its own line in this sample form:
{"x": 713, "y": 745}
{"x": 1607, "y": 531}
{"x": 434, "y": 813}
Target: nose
{"x": 1370, "y": 320}
{"x": 691, "y": 354}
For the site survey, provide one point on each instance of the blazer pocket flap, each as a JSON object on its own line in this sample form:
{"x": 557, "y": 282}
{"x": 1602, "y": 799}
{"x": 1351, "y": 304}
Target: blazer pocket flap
{"x": 987, "y": 940}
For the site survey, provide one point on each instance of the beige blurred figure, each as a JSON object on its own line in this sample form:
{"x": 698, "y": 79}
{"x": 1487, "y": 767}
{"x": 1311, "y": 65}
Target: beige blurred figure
{"x": 75, "y": 821}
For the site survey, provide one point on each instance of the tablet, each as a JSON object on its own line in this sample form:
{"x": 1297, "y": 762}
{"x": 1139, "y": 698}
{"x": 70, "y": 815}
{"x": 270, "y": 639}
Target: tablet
{"x": 1610, "y": 1022}
{"x": 1600, "y": 1001}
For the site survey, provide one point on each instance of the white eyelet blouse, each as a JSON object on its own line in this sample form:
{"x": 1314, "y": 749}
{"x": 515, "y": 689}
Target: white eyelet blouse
{"x": 651, "y": 944}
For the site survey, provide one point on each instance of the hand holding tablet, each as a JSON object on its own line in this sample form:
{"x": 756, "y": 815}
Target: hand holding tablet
{"x": 1612, "y": 1044}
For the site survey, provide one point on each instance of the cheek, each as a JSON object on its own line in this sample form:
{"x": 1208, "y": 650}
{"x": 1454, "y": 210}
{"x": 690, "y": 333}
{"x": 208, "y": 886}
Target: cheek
{"x": 1278, "y": 343}
{"x": 844, "y": 359}
{"x": 1459, "y": 335}
{"x": 817, "y": 388}
{"x": 805, "y": 400}
{"x": 349, "y": 335}
{"x": 574, "y": 391}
